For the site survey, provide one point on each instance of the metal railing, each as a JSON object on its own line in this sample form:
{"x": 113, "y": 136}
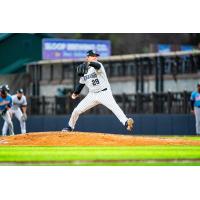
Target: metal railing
{"x": 170, "y": 102}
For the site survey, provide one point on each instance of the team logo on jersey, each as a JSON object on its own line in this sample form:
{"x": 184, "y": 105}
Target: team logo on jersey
{"x": 197, "y": 98}
{"x": 93, "y": 75}
{"x": 4, "y": 103}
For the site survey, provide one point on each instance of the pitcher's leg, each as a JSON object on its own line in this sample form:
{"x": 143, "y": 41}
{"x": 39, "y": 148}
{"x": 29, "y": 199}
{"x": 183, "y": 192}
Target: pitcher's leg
{"x": 87, "y": 103}
{"x": 107, "y": 100}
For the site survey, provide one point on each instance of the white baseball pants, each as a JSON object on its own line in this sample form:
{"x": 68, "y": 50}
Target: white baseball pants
{"x": 8, "y": 121}
{"x": 18, "y": 115}
{"x": 92, "y": 99}
{"x": 197, "y": 118}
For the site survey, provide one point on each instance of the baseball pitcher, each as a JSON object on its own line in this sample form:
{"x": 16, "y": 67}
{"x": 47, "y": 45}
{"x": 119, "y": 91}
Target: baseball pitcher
{"x": 92, "y": 74}
{"x": 18, "y": 110}
{"x": 5, "y": 105}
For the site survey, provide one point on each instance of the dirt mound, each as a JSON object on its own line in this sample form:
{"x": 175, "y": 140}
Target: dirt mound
{"x": 88, "y": 139}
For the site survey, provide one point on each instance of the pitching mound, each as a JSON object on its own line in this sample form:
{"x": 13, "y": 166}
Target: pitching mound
{"x": 88, "y": 139}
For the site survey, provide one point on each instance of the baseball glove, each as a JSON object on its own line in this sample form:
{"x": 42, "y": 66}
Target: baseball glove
{"x": 82, "y": 69}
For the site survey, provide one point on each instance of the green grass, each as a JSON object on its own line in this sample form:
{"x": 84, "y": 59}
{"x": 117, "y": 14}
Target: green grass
{"x": 103, "y": 156}
{"x": 123, "y": 156}
{"x": 183, "y": 137}
{"x": 106, "y": 164}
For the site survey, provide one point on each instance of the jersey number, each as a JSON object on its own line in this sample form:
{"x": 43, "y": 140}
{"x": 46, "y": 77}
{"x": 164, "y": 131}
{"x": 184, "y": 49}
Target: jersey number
{"x": 95, "y": 82}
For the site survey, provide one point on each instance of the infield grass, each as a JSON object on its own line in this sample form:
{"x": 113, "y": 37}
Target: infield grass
{"x": 100, "y": 156}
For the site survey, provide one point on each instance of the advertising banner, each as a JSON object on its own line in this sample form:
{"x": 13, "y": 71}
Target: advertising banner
{"x": 53, "y": 49}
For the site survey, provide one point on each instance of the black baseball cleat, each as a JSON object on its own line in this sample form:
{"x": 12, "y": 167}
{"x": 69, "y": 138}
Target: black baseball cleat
{"x": 129, "y": 124}
{"x": 68, "y": 129}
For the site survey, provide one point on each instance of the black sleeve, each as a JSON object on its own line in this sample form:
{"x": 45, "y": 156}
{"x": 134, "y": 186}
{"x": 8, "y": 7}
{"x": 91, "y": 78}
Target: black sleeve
{"x": 96, "y": 65}
{"x": 82, "y": 69}
{"x": 9, "y": 106}
{"x": 192, "y": 104}
{"x": 78, "y": 89}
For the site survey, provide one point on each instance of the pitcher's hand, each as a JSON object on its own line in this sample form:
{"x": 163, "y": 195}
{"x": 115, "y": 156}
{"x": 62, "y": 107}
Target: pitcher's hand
{"x": 74, "y": 96}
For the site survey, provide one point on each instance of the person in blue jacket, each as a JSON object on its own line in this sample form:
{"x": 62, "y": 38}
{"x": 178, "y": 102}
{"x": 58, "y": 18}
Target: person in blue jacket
{"x": 5, "y": 105}
{"x": 195, "y": 105}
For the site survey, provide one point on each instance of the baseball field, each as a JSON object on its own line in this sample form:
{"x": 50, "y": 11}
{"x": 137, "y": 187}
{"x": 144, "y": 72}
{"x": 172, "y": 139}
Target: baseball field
{"x": 97, "y": 149}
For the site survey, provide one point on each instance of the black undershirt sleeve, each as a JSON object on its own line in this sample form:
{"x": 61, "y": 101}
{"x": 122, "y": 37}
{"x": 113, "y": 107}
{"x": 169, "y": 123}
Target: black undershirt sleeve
{"x": 96, "y": 65}
{"x": 78, "y": 88}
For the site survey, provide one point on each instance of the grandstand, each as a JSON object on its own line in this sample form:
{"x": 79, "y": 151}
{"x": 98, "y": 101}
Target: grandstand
{"x": 141, "y": 83}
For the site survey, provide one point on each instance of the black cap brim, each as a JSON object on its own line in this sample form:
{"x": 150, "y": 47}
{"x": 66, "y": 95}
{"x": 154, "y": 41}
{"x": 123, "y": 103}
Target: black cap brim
{"x": 96, "y": 54}
{"x": 20, "y": 91}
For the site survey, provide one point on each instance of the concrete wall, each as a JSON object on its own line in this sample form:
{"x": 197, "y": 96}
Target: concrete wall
{"x": 128, "y": 87}
{"x": 159, "y": 124}
{"x": 180, "y": 85}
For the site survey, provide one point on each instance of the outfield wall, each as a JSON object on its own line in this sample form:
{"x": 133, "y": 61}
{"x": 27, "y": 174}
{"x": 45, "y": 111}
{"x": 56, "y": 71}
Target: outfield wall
{"x": 155, "y": 124}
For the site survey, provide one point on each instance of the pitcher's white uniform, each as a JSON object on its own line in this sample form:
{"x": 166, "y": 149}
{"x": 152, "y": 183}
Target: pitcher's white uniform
{"x": 99, "y": 93}
{"x": 16, "y": 110}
